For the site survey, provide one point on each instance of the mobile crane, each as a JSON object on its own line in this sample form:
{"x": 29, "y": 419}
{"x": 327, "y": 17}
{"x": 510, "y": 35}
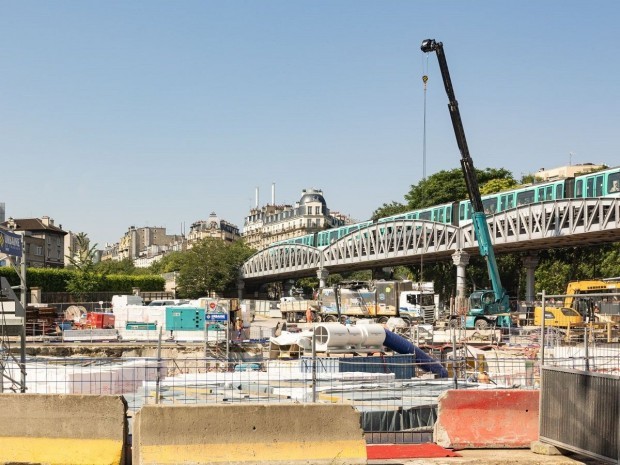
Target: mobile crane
{"x": 486, "y": 307}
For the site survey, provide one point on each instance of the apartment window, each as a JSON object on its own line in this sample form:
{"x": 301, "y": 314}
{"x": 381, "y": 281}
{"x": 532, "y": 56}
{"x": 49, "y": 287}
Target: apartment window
{"x": 317, "y": 210}
{"x": 39, "y": 251}
{"x": 309, "y": 210}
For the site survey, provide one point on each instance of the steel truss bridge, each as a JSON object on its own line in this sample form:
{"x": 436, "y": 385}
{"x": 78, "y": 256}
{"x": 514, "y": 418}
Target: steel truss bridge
{"x": 529, "y": 228}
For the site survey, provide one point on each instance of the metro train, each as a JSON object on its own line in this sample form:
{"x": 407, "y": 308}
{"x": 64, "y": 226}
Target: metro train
{"x": 605, "y": 183}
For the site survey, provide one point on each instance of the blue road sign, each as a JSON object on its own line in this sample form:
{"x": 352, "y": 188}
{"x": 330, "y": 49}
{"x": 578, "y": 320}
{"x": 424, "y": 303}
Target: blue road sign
{"x": 10, "y": 243}
{"x": 216, "y": 317}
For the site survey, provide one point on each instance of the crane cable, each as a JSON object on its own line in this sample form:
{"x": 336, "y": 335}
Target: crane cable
{"x": 424, "y": 80}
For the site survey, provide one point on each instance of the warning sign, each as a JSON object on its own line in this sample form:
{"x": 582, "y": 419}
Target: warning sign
{"x": 212, "y": 305}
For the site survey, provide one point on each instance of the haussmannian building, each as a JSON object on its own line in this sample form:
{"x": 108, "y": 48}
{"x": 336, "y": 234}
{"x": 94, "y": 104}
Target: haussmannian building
{"x": 274, "y": 223}
{"x": 214, "y": 228}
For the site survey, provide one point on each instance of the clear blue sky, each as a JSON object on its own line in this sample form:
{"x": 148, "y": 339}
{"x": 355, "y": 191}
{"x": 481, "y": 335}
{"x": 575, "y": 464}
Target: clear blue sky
{"x": 156, "y": 113}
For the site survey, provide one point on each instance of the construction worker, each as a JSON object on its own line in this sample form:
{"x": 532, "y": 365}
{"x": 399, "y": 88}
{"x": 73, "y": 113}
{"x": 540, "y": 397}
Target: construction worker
{"x": 239, "y": 327}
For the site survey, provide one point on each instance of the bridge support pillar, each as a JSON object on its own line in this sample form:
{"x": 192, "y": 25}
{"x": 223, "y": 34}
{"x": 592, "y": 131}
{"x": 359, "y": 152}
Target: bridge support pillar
{"x": 322, "y": 274}
{"x": 460, "y": 259}
{"x": 240, "y": 287}
{"x": 287, "y": 287}
{"x": 530, "y": 262}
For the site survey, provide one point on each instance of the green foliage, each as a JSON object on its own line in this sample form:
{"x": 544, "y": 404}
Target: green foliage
{"x": 83, "y": 283}
{"x": 497, "y": 185}
{"x": 449, "y": 186}
{"x": 389, "y": 209}
{"x": 211, "y": 265}
{"x": 59, "y": 279}
{"x": 170, "y": 262}
{"x": 528, "y": 179}
{"x": 124, "y": 266}
{"x": 125, "y": 283}
{"x": 610, "y": 264}
{"x": 49, "y": 279}
{"x": 552, "y": 277}
{"x": 82, "y": 256}
{"x": 10, "y": 275}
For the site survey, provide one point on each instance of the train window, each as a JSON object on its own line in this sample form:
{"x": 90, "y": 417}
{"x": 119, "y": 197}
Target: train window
{"x": 461, "y": 212}
{"x": 579, "y": 188}
{"x": 525, "y": 197}
{"x": 449, "y": 214}
{"x": 440, "y": 215}
{"x": 590, "y": 187}
{"x": 559, "y": 191}
{"x": 489, "y": 205}
{"x": 613, "y": 183}
{"x": 598, "y": 186}
{"x": 510, "y": 201}
{"x": 549, "y": 193}
{"x": 540, "y": 192}
{"x": 425, "y": 215}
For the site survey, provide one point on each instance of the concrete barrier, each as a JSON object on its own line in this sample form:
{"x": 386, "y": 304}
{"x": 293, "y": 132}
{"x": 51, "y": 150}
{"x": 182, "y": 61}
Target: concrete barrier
{"x": 487, "y": 419}
{"x": 62, "y": 429}
{"x": 248, "y": 434}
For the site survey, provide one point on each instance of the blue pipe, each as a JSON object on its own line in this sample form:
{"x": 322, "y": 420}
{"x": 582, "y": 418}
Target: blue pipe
{"x": 403, "y": 346}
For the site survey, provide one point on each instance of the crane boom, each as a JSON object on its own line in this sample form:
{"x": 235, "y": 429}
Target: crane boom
{"x": 467, "y": 165}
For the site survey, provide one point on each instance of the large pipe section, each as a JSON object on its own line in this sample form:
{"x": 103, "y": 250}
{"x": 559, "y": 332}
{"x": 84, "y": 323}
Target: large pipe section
{"x": 332, "y": 336}
{"x": 336, "y": 336}
{"x": 403, "y": 346}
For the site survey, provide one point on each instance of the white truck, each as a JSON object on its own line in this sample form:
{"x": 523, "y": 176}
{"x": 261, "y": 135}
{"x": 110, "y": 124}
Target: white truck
{"x": 414, "y": 302}
{"x": 294, "y": 308}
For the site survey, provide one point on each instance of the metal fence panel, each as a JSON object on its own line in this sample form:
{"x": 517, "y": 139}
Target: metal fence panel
{"x": 579, "y": 411}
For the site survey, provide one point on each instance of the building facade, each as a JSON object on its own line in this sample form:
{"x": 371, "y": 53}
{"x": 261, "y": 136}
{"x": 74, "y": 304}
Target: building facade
{"x": 214, "y": 228}
{"x": 140, "y": 245}
{"x": 44, "y": 242}
{"x": 566, "y": 171}
{"x": 274, "y": 223}
{"x": 145, "y": 246}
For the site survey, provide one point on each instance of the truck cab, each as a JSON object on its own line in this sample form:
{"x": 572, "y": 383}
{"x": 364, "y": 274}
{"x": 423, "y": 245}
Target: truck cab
{"x": 417, "y": 306}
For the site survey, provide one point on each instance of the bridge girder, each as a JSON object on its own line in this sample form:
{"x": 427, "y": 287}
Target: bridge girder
{"x": 553, "y": 224}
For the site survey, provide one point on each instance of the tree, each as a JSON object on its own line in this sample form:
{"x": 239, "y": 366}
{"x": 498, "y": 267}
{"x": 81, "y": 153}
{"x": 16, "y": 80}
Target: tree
{"x": 82, "y": 255}
{"x": 497, "y": 185}
{"x": 84, "y": 280}
{"x": 449, "y": 186}
{"x": 124, "y": 266}
{"x": 388, "y": 210}
{"x": 211, "y": 265}
{"x": 172, "y": 261}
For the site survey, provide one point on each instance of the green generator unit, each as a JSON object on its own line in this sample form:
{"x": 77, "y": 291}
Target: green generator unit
{"x": 185, "y": 319}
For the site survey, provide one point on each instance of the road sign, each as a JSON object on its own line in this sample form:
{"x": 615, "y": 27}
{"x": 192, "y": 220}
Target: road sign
{"x": 10, "y": 243}
{"x": 216, "y": 317}
{"x": 212, "y": 305}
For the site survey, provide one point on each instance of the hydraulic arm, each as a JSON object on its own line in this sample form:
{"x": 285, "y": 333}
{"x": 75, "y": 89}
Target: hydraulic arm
{"x": 467, "y": 165}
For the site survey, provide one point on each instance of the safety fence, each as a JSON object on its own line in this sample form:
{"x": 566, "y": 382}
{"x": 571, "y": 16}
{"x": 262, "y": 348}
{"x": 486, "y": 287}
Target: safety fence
{"x": 396, "y": 397}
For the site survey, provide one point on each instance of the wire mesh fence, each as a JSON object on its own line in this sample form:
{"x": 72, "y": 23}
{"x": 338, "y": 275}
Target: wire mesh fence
{"x": 392, "y": 393}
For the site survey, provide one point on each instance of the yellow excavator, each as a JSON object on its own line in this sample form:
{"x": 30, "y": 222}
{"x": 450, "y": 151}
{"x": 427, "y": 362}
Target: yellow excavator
{"x": 576, "y": 309}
